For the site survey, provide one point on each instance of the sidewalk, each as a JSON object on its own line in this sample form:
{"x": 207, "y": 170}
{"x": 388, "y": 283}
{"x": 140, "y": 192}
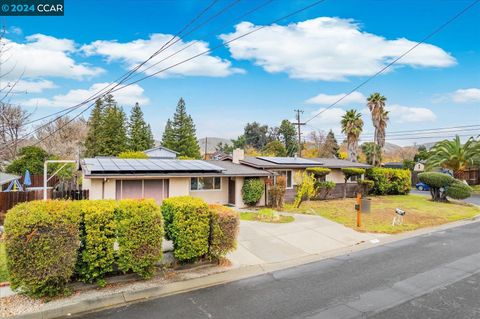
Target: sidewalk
{"x": 263, "y": 243}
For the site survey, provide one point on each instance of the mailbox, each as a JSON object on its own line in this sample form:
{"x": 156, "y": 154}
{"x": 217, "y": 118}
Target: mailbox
{"x": 366, "y": 203}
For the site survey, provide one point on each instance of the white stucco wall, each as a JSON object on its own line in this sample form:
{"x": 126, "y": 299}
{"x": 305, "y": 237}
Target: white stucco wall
{"x": 94, "y": 187}
{"x": 179, "y": 186}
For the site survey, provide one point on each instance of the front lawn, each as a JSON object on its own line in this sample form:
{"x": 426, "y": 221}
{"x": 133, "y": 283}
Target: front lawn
{"x": 420, "y": 212}
{"x": 476, "y": 189}
{"x": 267, "y": 216}
{"x": 3, "y": 263}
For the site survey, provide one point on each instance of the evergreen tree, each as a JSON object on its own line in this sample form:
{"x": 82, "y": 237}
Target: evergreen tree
{"x": 93, "y": 141}
{"x": 114, "y": 131}
{"x": 288, "y": 135}
{"x": 140, "y": 135}
{"x": 330, "y": 148}
{"x": 168, "y": 137}
{"x": 184, "y": 139}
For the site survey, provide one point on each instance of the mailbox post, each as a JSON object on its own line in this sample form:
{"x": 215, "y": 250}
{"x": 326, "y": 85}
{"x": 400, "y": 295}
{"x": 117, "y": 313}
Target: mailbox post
{"x": 358, "y": 207}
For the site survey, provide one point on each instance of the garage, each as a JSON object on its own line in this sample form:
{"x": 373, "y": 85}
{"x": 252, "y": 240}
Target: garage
{"x": 144, "y": 188}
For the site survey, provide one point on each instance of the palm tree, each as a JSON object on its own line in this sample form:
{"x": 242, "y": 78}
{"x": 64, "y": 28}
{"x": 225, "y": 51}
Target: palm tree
{"x": 376, "y": 105}
{"x": 352, "y": 126}
{"x": 382, "y": 126}
{"x": 454, "y": 155}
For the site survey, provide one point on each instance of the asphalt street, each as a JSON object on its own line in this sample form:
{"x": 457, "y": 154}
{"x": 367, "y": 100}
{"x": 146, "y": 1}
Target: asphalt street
{"x": 428, "y": 276}
{"x": 474, "y": 199}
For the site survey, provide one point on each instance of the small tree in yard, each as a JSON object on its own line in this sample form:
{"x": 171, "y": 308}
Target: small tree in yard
{"x": 443, "y": 185}
{"x": 325, "y": 188}
{"x": 348, "y": 173}
{"x": 252, "y": 191}
{"x": 277, "y": 192}
{"x": 305, "y": 188}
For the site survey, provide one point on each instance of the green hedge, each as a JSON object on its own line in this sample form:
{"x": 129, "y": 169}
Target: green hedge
{"x": 435, "y": 179}
{"x": 389, "y": 181}
{"x": 139, "y": 236}
{"x": 224, "y": 227}
{"x": 319, "y": 171}
{"x": 187, "y": 224}
{"x": 49, "y": 242}
{"x": 252, "y": 191}
{"x": 97, "y": 255}
{"x": 42, "y": 242}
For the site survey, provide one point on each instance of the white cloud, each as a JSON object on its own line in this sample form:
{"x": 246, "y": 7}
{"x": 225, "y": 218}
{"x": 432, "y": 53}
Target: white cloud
{"x": 466, "y": 95}
{"x": 43, "y": 56}
{"x": 134, "y": 52}
{"x": 125, "y": 97}
{"x": 406, "y": 114}
{"x": 329, "y": 49}
{"x": 329, "y": 119}
{"x": 37, "y": 86}
{"x": 328, "y": 99}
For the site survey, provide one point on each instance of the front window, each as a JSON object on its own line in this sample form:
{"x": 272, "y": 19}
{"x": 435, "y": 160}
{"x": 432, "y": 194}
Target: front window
{"x": 205, "y": 183}
{"x": 289, "y": 177}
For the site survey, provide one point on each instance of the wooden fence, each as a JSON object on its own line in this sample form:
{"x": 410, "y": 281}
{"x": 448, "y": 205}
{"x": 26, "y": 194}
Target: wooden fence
{"x": 10, "y": 199}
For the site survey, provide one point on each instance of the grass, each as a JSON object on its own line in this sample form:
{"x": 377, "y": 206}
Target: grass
{"x": 420, "y": 212}
{"x": 266, "y": 216}
{"x": 3, "y": 263}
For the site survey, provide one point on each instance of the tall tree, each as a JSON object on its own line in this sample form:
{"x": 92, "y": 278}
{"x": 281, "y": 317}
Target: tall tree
{"x": 376, "y": 105}
{"x": 275, "y": 148}
{"x": 372, "y": 153}
{"x": 329, "y": 148}
{"x": 168, "y": 137}
{"x": 93, "y": 142}
{"x": 114, "y": 129}
{"x": 140, "y": 134}
{"x": 256, "y": 135}
{"x": 287, "y": 133}
{"x": 181, "y": 136}
{"x": 12, "y": 125}
{"x": 352, "y": 127}
{"x": 454, "y": 155}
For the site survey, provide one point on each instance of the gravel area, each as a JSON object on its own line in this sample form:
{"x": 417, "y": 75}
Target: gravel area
{"x": 19, "y": 304}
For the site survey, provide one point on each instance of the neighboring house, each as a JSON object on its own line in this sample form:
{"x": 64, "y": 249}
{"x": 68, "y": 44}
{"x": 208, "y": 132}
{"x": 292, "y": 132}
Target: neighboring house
{"x": 161, "y": 152}
{"x": 291, "y": 166}
{"x": 213, "y": 181}
{"x": 6, "y": 179}
{"x": 419, "y": 167}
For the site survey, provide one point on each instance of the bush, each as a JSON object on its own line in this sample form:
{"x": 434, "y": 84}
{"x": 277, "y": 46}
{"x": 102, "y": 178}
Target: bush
{"x": 349, "y": 172}
{"x": 305, "y": 188}
{"x": 187, "y": 224}
{"x": 224, "y": 226}
{"x": 459, "y": 190}
{"x": 365, "y": 185}
{"x": 277, "y": 192}
{"x": 133, "y": 154}
{"x": 389, "y": 181}
{"x": 140, "y": 234}
{"x": 438, "y": 183}
{"x": 98, "y": 236}
{"x": 318, "y": 171}
{"x": 323, "y": 189}
{"x": 252, "y": 191}
{"x": 42, "y": 242}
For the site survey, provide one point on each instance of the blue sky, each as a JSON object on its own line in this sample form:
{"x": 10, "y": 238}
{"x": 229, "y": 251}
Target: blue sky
{"x": 302, "y": 62}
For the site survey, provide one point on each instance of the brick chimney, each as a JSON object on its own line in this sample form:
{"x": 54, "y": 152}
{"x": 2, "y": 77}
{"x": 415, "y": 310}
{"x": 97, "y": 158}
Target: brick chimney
{"x": 238, "y": 155}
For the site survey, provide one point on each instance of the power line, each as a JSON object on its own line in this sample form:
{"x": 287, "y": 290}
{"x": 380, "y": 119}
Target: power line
{"x": 438, "y": 131}
{"x": 427, "y": 137}
{"x": 437, "y": 30}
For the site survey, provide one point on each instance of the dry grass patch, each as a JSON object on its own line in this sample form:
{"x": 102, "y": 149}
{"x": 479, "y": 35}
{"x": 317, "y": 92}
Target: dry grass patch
{"x": 420, "y": 212}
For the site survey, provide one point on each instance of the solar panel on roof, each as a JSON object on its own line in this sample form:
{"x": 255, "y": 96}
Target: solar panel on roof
{"x": 289, "y": 160}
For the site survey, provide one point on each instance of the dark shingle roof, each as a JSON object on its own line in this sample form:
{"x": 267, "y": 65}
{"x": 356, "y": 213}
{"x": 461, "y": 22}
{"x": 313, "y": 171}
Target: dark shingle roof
{"x": 339, "y": 163}
{"x": 232, "y": 169}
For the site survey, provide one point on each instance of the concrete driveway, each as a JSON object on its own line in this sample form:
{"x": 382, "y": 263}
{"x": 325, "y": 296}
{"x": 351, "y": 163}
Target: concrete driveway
{"x": 260, "y": 243}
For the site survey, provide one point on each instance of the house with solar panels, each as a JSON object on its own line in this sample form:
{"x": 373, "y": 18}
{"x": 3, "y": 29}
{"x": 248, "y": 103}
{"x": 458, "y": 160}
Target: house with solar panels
{"x": 217, "y": 182}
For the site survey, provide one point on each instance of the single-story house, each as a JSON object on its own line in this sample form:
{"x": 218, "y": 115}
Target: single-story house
{"x": 290, "y": 166}
{"x": 161, "y": 152}
{"x": 217, "y": 182}
{"x": 419, "y": 167}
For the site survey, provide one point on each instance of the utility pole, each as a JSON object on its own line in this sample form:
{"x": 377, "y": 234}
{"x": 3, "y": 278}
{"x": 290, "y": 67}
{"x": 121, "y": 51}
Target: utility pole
{"x": 299, "y": 124}
{"x": 206, "y": 148}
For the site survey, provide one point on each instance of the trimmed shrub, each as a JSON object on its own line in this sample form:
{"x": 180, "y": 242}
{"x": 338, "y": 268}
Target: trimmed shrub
{"x": 305, "y": 188}
{"x": 139, "y": 236}
{"x": 133, "y": 154}
{"x": 365, "y": 185}
{"x": 318, "y": 171}
{"x": 98, "y": 236}
{"x": 252, "y": 191}
{"x": 224, "y": 227}
{"x": 438, "y": 183}
{"x": 459, "y": 190}
{"x": 42, "y": 242}
{"x": 349, "y": 172}
{"x": 187, "y": 224}
{"x": 389, "y": 181}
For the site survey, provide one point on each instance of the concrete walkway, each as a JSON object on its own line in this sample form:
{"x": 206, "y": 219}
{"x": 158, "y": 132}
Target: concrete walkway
{"x": 261, "y": 243}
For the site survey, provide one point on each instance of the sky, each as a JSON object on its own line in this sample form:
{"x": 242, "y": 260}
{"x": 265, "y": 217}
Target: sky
{"x": 306, "y": 61}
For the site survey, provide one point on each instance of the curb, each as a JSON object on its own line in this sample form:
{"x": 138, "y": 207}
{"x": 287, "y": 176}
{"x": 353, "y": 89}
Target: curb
{"x": 124, "y": 298}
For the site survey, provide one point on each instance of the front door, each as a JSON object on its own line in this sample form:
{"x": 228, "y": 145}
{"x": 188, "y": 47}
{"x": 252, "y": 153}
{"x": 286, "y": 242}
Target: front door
{"x": 231, "y": 191}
